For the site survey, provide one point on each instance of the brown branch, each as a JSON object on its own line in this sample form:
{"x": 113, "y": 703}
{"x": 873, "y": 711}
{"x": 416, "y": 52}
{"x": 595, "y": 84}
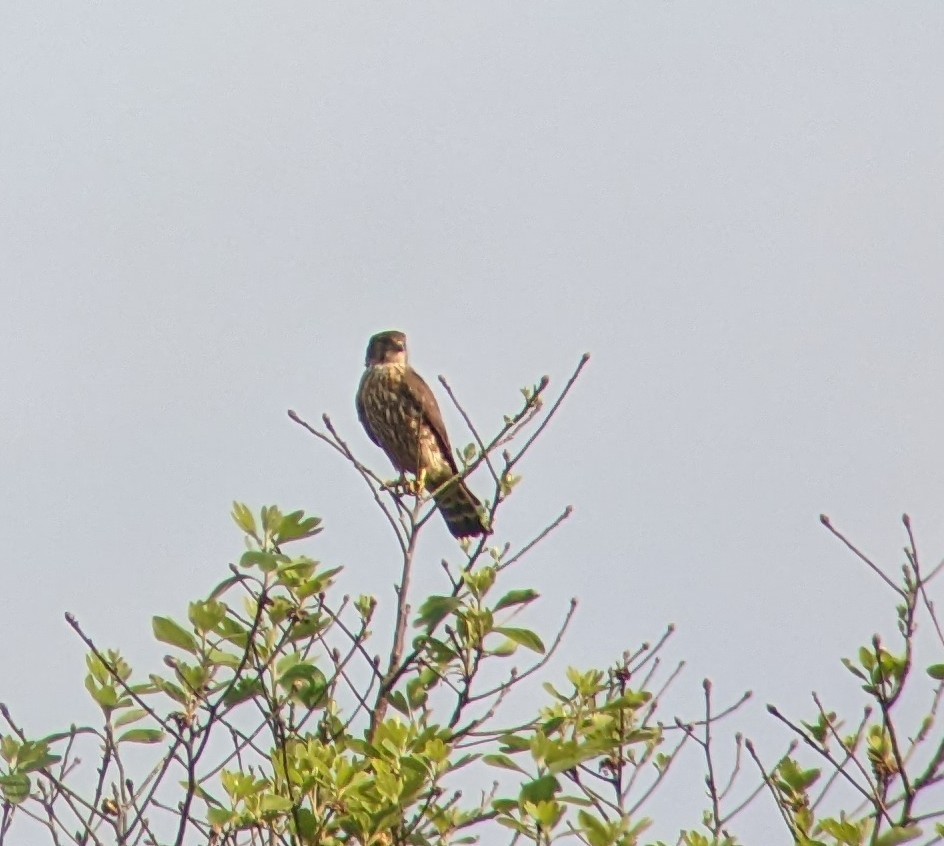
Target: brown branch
{"x": 710, "y": 779}
{"x": 373, "y": 482}
{"x": 660, "y": 776}
{"x": 394, "y": 666}
{"x": 564, "y": 515}
{"x": 768, "y": 780}
{"x": 472, "y": 429}
{"x": 824, "y": 519}
{"x": 872, "y": 798}
{"x": 765, "y": 778}
{"x": 921, "y": 581}
{"x": 848, "y": 749}
{"x": 552, "y": 410}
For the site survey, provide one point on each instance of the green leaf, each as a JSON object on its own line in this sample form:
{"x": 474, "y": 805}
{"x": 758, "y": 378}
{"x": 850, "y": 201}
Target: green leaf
{"x": 896, "y": 835}
{"x": 502, "y": 761}
{"x": 106, "y": 697}
{"x": 244, "y": 519}
{"x": 296, "y": 526}
{"x": 936, "y": 671}
{"x": 504, "y": 649}
{"x": 566, "y": 756}
{"x": 244, "y": 689}
{"x": 233, "y": 631}
{"x": 306, "y": 823}
{"x": 206, "y": 616}
{"x": 516, "y": 597}
{"x": 555, "y": 692}
{"x": 219, "y": 658}
{"x": 9, "y": 746}
{"x": 224, "y": 586}
{"x": 548, "y": 814}
{"x": 515, "y": 743}
{"x": 540, "y": 790}
{"x": 307, "y": 628}
{"x": 398, "y": 701}
{"x": 797, "y": 779}
{"x": 33, "y": 755}
{"x": 479, "y": 582}
{"x": 271, "y": 517}
{"x": 505, "y": 806}
{"x": 131, "y": 716}
{"x": 220, "y": 816}
{"x": 297, "y": 571}
{"x": 524, "y": 637}
{"x": 15, "y": 788}
{"x": 629, "y": 701}
{"x": 240, "y": 785}
{"x": 167, "y": 631}
{"x": 142, "y": 736}
{"x": 435, "y": 609}
{"x": 416, "y": 693}
{"x": 170, "y": 689}
{"x": 307, "y": 683}
{"x": 265, "y": 561}
{"x": 597, "y": 831}
{"x": 97, "y": 669}
{"x": 852, "y": 668}
{"x": 274, "y": 802}
{"x": 62, "y": 735}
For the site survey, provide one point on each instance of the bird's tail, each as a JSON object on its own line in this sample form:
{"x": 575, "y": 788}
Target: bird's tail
{"x": 461, "y": 510}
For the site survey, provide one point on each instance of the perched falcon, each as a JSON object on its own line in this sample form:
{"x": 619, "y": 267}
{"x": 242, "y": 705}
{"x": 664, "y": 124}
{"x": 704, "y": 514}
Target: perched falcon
{"x": 400, "y": 414}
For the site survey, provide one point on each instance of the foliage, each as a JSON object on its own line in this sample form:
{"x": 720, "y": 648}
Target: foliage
{"x": 272, "y": 722}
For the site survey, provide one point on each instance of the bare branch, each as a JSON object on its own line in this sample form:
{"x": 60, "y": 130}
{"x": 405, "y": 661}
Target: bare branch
{"x": 860, "y": 555}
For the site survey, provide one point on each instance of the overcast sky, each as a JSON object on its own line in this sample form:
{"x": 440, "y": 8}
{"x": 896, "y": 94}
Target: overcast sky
{"x": 737, "y": 208}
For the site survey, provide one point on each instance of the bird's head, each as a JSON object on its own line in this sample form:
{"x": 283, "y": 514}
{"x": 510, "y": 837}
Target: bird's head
{"x": 386, "y": 348}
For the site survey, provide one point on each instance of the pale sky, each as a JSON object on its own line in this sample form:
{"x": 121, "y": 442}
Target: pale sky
{"x": 737, "y": 208}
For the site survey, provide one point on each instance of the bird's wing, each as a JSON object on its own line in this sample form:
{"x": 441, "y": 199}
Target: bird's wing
{"x": 421, "y": 393}
{"x": 362, "y": 415}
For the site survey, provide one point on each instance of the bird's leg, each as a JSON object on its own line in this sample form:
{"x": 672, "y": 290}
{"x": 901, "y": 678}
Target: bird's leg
{"x": 397, "y": 486}
{"x": 418, "y": 485}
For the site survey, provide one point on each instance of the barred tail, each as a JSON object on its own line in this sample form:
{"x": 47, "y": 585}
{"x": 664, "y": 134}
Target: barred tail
{"x": 462, "y": 512}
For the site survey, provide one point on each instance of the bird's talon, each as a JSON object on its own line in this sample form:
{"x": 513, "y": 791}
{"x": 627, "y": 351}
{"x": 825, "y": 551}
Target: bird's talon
{"x": 396, "y": 486}
{"x": 419, "y": 484}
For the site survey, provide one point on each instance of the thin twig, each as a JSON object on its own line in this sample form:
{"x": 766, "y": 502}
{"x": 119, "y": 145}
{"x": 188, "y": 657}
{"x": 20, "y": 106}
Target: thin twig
{"x": 872, "y": 798}
{"x": 824, "y": 519}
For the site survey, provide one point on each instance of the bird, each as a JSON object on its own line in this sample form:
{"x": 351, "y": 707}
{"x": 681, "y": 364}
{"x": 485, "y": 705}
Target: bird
{"x": 400, "y": 415}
